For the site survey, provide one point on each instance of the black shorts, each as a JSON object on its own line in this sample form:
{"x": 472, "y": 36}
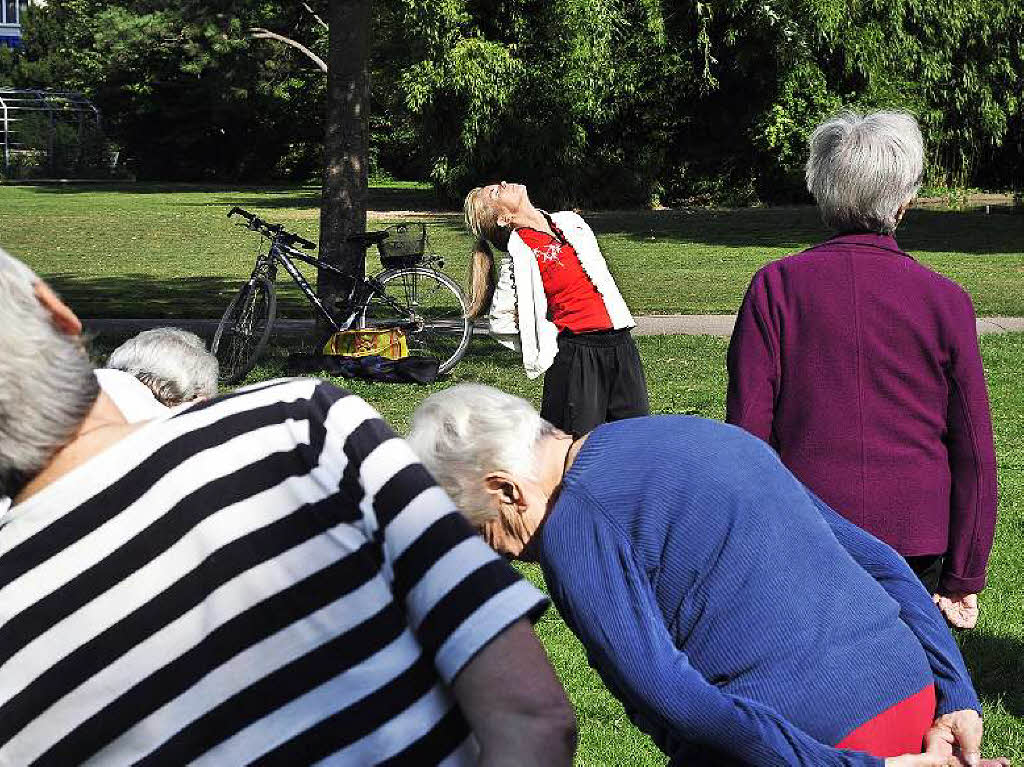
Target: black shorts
{"x": 595, "y": 377}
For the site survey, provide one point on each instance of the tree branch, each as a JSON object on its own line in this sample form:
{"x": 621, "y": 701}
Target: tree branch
{"x": 259, "y": 33}
{"x": 319, "y": 21}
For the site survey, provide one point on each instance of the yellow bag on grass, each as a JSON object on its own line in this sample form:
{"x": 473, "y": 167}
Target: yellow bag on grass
{"x": 389, "y": 343}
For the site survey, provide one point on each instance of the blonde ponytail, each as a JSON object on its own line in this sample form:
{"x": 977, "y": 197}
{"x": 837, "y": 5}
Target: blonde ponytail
{"x": 480, "y": 220}
{"x": 481, "y": 278}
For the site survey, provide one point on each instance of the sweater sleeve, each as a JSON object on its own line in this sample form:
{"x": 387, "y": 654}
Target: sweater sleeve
{"x": 953, "y": 687}
{"x": 972, "y": 463}
{"x": 456, "y": 594}
{"x": 606, "y": 598}
{"x": 753, "y": 365}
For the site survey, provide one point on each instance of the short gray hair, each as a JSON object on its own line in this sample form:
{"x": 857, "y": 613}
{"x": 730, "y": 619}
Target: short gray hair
{"x": 18, "y": 268}
{"x": 464, "y": 433}
{"x": 864, "y": 168}
{"x": 46, "y": 383}
{"x": 172, "y": 362}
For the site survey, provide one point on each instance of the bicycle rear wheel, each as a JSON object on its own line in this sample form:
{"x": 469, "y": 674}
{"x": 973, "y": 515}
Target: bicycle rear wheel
{"x": 244, "y": 329}
{"x": 428, "y": 307}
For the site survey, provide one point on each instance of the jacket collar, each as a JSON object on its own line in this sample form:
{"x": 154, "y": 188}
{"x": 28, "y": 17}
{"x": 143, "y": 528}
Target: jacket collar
{"x": 871, "y": 240}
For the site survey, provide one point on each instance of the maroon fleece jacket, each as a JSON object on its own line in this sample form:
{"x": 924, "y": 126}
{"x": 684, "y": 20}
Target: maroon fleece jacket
{"x": 861, "y": 368}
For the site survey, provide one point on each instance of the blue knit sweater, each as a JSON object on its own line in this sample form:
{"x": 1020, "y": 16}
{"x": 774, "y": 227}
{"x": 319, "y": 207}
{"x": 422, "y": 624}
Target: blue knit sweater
{"x": 737, "y": 617}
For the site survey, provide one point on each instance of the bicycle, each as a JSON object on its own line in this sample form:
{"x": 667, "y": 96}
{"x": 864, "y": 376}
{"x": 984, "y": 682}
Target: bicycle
{"x": 411, "y": 294}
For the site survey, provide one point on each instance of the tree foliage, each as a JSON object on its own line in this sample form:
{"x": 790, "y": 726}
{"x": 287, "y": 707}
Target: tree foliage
{"x": 589, "y": 101}
{"x": 599, "y": 100}
{"x": 575, "y": 97}
{"x": 183, "y": 89}
{"x": 958, "y": 65}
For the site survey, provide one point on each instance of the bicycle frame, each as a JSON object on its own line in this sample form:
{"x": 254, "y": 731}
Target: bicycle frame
{"x": 356, "y": 299}
{"x": 410, "y": 294}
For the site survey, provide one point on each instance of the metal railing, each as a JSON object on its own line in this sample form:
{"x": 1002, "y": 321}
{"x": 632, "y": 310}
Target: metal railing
{"x": 17, "y": 104}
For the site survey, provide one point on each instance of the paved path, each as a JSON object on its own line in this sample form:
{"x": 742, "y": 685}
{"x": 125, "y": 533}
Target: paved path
{"x": 721, "y": 324}
{"x": 647, "y": 325}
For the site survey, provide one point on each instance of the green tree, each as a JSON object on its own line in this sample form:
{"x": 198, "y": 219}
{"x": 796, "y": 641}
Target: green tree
{"x": 574, "y": 96}
{"x": 956, "y": 65}
{"x": 588, "y": 101}
{"x": 599, "y": 101}
{"x": 183, "y": 89}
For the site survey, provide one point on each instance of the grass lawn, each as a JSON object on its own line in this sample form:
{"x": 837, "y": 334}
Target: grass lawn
{"x": 158, "y": 251}
{"x": 167, "y": 251}
{"x": 687, "y": 375}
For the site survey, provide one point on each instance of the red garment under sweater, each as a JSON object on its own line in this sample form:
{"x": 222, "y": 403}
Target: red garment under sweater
{"x": 898, "y": 730}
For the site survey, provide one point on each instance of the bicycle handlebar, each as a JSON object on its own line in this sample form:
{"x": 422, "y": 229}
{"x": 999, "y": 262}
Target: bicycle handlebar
{"x": 236, "y": 211}
{"x": 278, "y": 232}
{"x": 273, "y": 231}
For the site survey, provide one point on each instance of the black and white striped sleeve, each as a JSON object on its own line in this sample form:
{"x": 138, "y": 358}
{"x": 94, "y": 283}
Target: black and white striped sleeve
{"x": 457, "y": 593}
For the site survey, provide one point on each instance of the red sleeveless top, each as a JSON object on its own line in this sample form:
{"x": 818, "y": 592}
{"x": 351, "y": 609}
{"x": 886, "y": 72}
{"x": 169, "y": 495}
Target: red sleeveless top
{"x": 574, "y": 304}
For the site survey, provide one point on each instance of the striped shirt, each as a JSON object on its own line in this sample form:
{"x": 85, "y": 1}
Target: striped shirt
{"x": 269, "y": 577}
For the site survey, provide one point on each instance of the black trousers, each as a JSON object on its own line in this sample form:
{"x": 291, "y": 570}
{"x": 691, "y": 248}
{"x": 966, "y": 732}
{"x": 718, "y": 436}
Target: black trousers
{"x": 595, "y": 377}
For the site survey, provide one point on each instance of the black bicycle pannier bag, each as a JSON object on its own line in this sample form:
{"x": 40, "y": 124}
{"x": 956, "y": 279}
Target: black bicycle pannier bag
{"x": 413, "y": 369}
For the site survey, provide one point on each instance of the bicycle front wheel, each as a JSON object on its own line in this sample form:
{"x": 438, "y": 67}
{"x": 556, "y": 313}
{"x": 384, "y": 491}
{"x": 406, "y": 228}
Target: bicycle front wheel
{"x": 428, "y": 307}
{"x": 244, "y": 329}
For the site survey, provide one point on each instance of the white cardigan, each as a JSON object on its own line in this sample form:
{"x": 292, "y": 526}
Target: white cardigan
{"x": 519, "y": 294}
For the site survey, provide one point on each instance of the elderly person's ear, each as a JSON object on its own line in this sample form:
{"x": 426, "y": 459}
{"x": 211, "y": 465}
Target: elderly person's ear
{"x": 65, "y": 319}
{"x": 505, "y": 489}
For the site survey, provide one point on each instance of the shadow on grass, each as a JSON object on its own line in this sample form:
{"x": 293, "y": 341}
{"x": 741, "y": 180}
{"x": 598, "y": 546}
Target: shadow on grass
{"x": 484, "y": 362}
{"x": 380, "y": 200}
{"x": 970, "y": 232}
{"x": 997, "y": 667}
{"x": 280, "y": 197}
{"x": 791, "y": 227}
{"x": 136, "y": 295}
{"x": 143, "y": 295}
{"x": 144, "y": 187}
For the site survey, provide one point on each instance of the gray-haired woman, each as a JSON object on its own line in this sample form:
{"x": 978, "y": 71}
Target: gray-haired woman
{"x": 173, "y": 363}
{"x": 861, "y": 367}
{"x": 737, "y": 617}
{"x": 247, "y": 580}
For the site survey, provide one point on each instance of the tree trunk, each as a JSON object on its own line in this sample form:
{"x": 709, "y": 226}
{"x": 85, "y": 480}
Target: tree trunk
{"x": 343, "y": 207}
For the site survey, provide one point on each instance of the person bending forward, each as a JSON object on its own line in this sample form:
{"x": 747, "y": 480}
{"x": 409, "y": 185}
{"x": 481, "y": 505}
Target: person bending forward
{"x": 736, "y": 616}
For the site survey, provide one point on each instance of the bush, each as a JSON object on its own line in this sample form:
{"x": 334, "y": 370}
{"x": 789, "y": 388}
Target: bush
{"x": 591, "y": 100}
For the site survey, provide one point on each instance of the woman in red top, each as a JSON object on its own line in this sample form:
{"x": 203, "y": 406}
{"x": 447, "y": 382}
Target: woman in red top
{"x": 566, "y": 310}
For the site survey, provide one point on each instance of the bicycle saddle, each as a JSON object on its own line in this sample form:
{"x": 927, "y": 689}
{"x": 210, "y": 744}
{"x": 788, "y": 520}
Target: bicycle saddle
{"x": 367, "y": 238}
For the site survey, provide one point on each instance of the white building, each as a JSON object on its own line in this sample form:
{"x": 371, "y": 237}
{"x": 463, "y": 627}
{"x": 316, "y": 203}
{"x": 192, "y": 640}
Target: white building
{"x": 10, "y": 21}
